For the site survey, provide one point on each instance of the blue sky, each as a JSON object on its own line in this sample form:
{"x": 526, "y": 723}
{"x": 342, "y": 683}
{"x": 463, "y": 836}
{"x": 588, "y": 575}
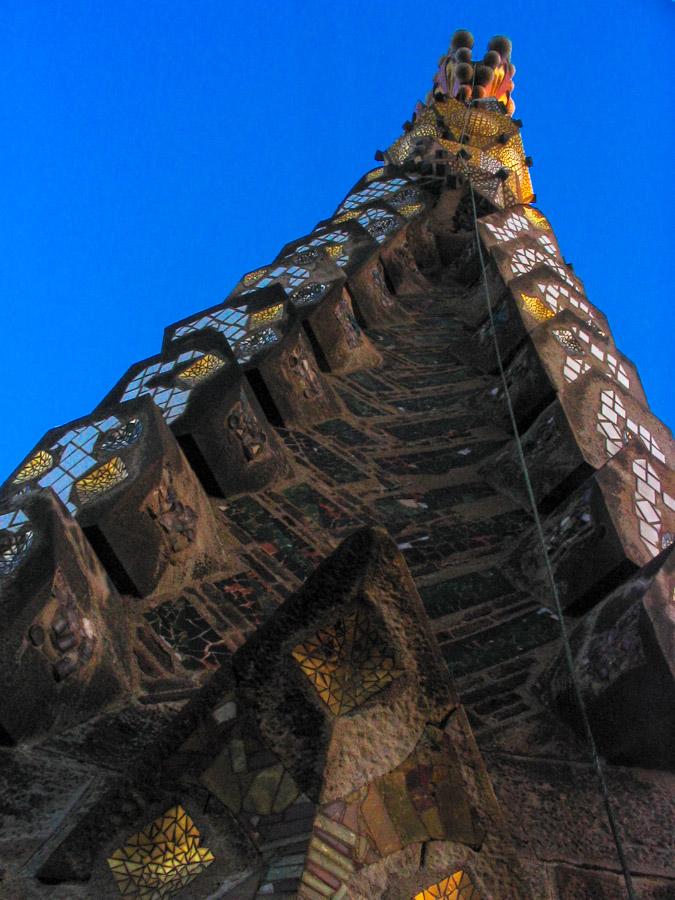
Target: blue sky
{"x": 153, "y": 152}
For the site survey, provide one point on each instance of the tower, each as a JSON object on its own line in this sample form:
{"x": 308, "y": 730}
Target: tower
{"x": 320, "y": 599}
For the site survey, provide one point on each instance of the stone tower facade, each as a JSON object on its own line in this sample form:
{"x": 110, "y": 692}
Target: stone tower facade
{"x": 278, "y": 618}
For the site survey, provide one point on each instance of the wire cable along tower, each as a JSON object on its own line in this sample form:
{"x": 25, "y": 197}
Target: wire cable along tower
{"x": 361, "y": 586}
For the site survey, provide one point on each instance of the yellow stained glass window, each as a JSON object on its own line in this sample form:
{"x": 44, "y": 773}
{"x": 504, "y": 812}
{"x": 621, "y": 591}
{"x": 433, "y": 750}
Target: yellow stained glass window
{"x": 375, "y": 173}
{"x": 36, "y": 466}
{"x": 334, "y": 250}
{"x": 264, "y": 316}
{"x": 536, "y": 308}
{"x": 347, "y": 663}
{"x": 410, "y": 209}
{"x": 351, "y": 214}
{"x": 457, "y": 886}
{"x": 202, "y": 368}
{"x": 100, "y": 480}
{"x": 161, "y": 859}
{"x": 536, "y": 218}
{"x": 254, "y": 276}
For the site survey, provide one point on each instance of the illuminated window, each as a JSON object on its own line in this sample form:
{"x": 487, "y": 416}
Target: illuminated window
{"x": 101, "y": 479}
{"x": 16, "y": 539}
{"x": 536, "y": 218}
{"x": 536, "y": 308}
{"x": 204, "y": 367}
{"x": 374, "y": 173}
{"x": 161, "y": 859}
{"x": 346, "y": 217}
{"x": 267, "y": 315}
{"x": 254, "y": 276}
{"x": 347, "y": 663}
{"x": 36, "y": 466}
{"x": 457, "y": 886}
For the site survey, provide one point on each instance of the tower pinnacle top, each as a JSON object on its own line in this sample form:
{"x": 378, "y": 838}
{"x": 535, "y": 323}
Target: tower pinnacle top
{"x": 465, "y": 78}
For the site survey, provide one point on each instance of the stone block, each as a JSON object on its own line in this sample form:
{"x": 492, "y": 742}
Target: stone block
{"x": 625, "y": 668}
{"x": 64, "y": 641}
{"x": 339, "y": 342}
{"x": 289, "y": 385}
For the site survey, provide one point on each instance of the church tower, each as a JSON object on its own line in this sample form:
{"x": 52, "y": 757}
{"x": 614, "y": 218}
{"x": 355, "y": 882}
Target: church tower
{"x": 362, "y": 586}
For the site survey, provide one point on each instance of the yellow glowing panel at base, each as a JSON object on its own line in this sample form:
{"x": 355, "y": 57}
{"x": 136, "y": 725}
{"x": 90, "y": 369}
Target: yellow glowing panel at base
{"x": 536, "y": 308}
{"x": 201, "y": 368}
{"x": 345, "y": 217}
{"x": 161, "y": 859}
{"x": 536, "y": 218}
{"x": 457, "y": 886}
{"x": 254, "y": 276}
{"x": 264, "y": 316}
{"x": 347, "y": 663}
{"x": 334, "y": 250}
{"x": 410, "y": 209}
{"x": 38, "y": 465}
{"x": 100, "y": 480}
{"x": 374, "y": 173}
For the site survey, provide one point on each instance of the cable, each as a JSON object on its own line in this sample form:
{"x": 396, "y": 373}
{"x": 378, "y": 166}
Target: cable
{"x": 597, "y": 764}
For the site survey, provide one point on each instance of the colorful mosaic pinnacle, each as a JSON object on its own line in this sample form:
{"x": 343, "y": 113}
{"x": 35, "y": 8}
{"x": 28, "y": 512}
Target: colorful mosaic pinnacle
{"x": 347, "y": 663}
{"x": 161, "y": 859}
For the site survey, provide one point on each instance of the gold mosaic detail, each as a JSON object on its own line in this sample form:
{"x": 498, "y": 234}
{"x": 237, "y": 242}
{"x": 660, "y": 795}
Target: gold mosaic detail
{"x": 536, "y": 218}
{"x": 254, "y": 276}
{"x": 265, "y": 316}
{"x": 36, "y": 466}
{"x": 567, "y": 339}
{"x": 201, "y": 368}
{"x": 334, "y": 250}
{"x": 161, "y": 859}
{"x": 347, "y": 663}
{"x": 374, "y": 174}
{"x": 410, "y": 210}
{"x": 100, "y": 480}
{"x": 457, "y": 886}
{"x": 536, "y": 308}
{"x": 351, "y": 214}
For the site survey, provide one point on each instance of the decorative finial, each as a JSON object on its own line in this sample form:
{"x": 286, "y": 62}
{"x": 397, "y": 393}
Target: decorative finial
{"x": 463, "y": 78}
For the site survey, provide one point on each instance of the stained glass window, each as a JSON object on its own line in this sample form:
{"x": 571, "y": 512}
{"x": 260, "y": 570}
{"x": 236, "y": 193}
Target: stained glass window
{"x": 310, "y": 293}
{"x": 120, "y": 438}
{"x": 566, "y": 339}
{"x": 203, "y": 367}
{"x": 293, "y": 276}
{"x": 16, "y": 539}
{"x": 161, "y": 859}
{"x": 378, "y": 223}
{"x": 265, "y": 316}
{"x": 347, "y": 663}
{"x": 171, "y": 399}
{"x": 536, "y": 218}
{"x": 375, "y": 173}
{"x": 334, "y": 242}
{"x": 536, "y": 307}
{"x": 348, "y": 216}
{"x": 252, "y": 277}
{"x": 457, "y": 886}
{"x": 74, "y": 455}
{"x": 101, "y": 479}
{"x": 37, "y": 465}
{"x": 247, "y": 348}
